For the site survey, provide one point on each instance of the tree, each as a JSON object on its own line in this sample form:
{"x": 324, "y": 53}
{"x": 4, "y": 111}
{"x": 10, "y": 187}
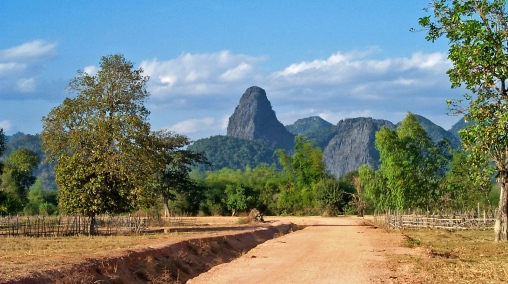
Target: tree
{"x": 17, "y": 179}
{"x": 40, "y": 201}
{"x": 2, "y": 147}
{"x": 302, "y": 172}
{"x": 412, "y": 165}
{"x": 465, "y": 184}
{"x": 99, "y": 140}
{"x": 172, "y": 163}
{"x": 477, "y": 31}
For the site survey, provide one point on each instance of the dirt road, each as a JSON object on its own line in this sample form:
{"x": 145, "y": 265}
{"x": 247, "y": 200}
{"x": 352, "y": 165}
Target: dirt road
{"x": 328, "y": 250}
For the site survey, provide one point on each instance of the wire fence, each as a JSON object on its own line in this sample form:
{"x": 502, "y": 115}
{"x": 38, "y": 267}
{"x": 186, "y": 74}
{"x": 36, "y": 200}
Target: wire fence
{"x": 53, "y": 226}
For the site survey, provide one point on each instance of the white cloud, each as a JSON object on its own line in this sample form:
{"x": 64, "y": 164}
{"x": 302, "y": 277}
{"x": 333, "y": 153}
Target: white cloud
{"x": 21, "y": 67}
{"x": 29, "y": 51}
{"x": 6, "y": 125}
{"x": 198, "y": 74}
{"x": 194, "y": 125}
{"x": 25, "y": 85}
{"x": 91, "y": 70}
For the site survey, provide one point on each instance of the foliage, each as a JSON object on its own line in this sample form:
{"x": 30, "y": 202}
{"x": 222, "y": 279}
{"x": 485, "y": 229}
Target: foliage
{"x": 172, "y": 164}
{"x": 477, "y": 31}
{"x": 411, "y": 170}
{"x": 239, "y": 198}
{"x": 45, "y": 171}
{"x": 305, "y": 181}
{"x": 330, "y": 196}
{"x": 17, "y": 178}
{"x": 40, "y": 201}
{"x": 436, "y": 132}
{"x": 465, "y": 185}
{"x": 2, "y": 147}
{"x": 231, "y": 152}
{"x": 99, "y": 140}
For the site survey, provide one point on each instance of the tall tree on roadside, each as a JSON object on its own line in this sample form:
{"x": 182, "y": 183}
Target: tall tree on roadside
{"x": 99, "y": 140}
{"x": 477, "y": 31}
{"x": 412, "y": 164}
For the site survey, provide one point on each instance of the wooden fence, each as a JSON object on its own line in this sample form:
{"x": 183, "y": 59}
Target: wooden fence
{"x": 466, "y": 220}
{"x": 42, "y": 226}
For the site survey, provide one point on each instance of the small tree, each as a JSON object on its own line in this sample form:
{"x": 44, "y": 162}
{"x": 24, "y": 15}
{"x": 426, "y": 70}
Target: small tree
{"x": 172, "y": 163}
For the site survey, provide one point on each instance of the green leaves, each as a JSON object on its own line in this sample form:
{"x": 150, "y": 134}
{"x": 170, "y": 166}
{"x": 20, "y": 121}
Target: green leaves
{"x": 99, "y": 140}
{"x": 411, "y": 168}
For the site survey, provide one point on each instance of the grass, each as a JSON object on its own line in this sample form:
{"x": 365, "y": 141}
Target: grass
{"x": 457, "y": 257}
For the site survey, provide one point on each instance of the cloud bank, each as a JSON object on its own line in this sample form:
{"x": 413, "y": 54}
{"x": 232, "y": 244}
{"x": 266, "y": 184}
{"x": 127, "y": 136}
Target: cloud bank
{"x": 194, "y": 94}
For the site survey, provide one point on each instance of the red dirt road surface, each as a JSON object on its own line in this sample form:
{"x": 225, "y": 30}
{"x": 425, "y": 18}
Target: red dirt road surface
{"x": 328, "y": 250}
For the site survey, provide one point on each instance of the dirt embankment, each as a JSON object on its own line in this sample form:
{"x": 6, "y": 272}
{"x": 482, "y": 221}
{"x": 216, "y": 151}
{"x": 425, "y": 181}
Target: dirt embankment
{"x": 173, "y": 263}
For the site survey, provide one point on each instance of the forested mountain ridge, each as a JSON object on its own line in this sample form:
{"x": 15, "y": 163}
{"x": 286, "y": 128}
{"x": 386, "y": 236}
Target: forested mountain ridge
{"x": 233, "y": 153}
{"x": 308, "y": 125}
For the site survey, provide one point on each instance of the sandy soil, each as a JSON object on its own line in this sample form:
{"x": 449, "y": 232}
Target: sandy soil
{"x": 328, "y": 250}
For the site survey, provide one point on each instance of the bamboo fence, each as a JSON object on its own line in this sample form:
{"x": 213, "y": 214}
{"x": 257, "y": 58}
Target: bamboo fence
{"x": 55, "y": 226}
{"x": 463, "y": 220}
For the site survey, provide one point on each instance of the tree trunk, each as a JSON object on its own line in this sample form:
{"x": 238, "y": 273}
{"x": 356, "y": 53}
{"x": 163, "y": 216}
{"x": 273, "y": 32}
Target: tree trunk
{"x": 501, "y": 226}
{"x": 165, "y": 199}
{"x": 92, "y": 225}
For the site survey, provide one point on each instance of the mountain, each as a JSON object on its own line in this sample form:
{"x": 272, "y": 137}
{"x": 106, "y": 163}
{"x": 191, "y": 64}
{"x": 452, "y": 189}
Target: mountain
{"x": 254, "y": 119}
{"x": 352, "y": 145}
{"x": 231, "y": 152}
{"x": 308, "y": 125}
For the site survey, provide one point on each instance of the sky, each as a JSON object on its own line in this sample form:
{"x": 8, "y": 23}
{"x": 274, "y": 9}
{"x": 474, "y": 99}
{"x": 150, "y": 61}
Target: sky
{"x": 335, "y": 59}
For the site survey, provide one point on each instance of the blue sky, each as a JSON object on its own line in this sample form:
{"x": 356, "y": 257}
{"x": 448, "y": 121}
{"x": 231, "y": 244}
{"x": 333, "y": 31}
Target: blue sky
{"x": 334, "y": 59}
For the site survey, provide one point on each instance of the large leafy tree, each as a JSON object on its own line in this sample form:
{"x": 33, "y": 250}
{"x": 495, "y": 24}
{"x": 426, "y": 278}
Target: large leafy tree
{"x": 477, "y": 31}
{"x": 17, "y": 178}
{"x": 412, "y": 166}
{"x": 99, "y": 138}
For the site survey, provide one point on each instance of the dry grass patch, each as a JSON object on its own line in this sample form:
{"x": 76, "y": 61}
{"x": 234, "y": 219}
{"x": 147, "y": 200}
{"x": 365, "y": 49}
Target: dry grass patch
{"x": 457, "y": 257}
{"x": 32, "y": 254}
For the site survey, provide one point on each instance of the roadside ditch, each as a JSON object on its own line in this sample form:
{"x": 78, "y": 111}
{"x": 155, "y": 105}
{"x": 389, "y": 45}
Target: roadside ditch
{"x": 175, "y": 263}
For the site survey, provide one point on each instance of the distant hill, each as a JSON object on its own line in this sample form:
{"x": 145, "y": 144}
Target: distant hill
{"x": 308, "y": 125}
{"x": 231, "y": 152}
